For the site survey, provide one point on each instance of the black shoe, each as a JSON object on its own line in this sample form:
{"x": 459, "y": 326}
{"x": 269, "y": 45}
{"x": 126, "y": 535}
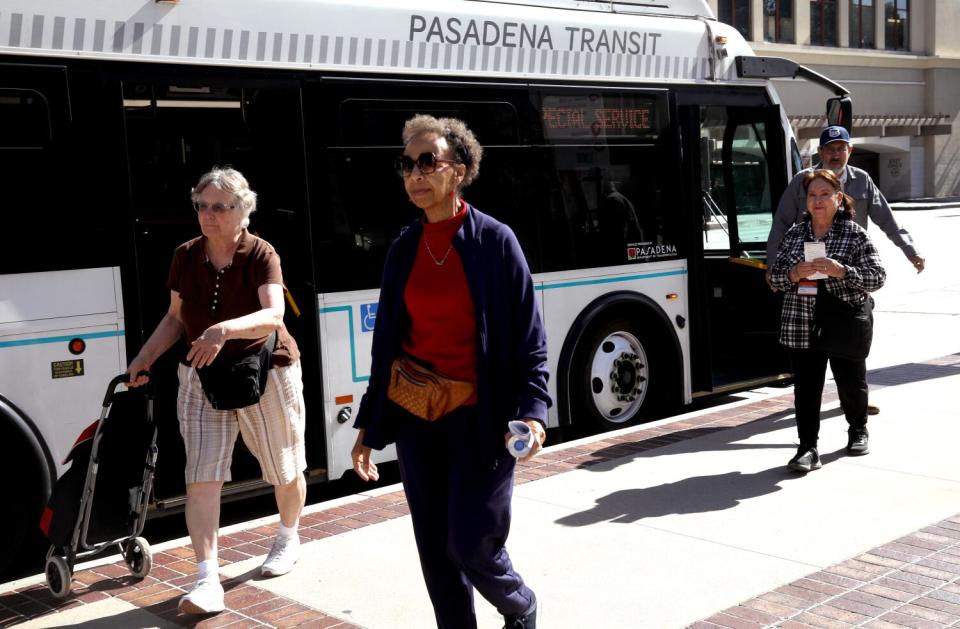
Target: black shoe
{"x": 873, "y": 410}
{"x": 806, "y": 459}
{"x": 858, "y": 443}
{"x": 526, "y": 620}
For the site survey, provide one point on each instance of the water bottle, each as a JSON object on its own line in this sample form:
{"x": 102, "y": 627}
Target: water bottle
{"x": 521, "y": 439}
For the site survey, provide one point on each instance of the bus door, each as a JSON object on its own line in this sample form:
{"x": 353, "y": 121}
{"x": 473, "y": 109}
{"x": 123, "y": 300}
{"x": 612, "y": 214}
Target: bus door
{"x": 178, "y": 127}
{"x": 739, "y": 174}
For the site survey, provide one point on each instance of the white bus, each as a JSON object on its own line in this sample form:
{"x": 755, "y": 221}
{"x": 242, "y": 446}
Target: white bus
{"x": 637, "y": 149}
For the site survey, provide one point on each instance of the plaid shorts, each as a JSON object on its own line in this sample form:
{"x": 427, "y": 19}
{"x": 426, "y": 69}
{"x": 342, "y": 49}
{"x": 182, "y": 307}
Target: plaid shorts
{"x": 272, "y": 428}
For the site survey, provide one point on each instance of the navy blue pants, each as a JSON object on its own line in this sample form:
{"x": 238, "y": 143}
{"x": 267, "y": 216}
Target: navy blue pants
{"x": 809, "y": 373}
{"x": 460, "y": 507}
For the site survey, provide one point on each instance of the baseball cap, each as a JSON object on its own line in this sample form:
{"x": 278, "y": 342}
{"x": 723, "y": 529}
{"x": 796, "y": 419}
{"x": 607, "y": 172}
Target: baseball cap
{"x": 832, "y": 134}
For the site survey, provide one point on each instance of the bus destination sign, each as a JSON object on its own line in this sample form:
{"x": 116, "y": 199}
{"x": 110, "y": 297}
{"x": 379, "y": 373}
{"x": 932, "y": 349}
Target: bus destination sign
{"x": 598, "y": 116}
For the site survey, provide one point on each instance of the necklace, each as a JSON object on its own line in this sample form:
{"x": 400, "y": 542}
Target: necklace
{"x": 433, "y": 257}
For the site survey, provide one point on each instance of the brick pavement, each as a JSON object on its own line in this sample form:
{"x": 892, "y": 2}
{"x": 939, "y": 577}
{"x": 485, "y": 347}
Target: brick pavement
{"x": 913, "y": 581}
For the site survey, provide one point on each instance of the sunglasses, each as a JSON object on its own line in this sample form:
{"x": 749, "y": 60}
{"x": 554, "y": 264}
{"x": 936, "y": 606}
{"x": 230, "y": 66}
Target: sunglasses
{"x": 216, "y": 208}
{"x": 426, "y": 163}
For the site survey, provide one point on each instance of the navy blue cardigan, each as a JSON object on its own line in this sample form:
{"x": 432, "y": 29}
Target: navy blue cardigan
{"x": 511, "y": 343}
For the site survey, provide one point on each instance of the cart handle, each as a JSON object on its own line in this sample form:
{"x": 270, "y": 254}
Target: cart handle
{"x": 117, "y": 381}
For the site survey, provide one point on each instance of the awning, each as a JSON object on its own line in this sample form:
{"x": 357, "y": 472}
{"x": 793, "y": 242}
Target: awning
{"x": 877, "y": 125}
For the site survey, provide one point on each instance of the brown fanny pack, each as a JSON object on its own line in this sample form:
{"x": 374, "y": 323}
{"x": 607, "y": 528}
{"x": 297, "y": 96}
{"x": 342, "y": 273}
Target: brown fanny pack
{"x": 423, "y": 392}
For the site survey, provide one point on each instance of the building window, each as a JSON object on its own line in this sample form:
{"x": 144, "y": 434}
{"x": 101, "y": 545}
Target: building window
{"x": 736, "y": 13}
{"x": 862, "y": 24}
{"x": 823, "y": 22}
{"x": 778, "y": 20}
{"x": 897, "y": 26}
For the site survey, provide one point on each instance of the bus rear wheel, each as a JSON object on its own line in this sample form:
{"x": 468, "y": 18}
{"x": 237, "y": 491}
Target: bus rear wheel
{"x": 618, "y": 375}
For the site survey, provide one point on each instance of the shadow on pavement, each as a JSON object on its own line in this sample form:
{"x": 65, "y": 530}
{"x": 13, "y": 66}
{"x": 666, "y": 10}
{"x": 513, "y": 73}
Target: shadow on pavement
{"x": 686, "y": 441}
{"x": 911, "y": 372}
{"x": 698, "y": 494}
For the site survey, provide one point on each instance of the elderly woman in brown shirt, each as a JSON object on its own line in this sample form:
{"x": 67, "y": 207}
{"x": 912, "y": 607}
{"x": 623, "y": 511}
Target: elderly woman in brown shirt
{"x": 226, "y": 299}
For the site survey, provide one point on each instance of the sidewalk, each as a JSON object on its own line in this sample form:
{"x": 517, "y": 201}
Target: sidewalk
{"x": 660, "y": 525}
{"x": 928, "y": 203}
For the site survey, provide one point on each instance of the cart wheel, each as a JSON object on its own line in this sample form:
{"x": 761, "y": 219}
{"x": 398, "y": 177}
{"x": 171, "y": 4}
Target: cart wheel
{"x": 59, "y": 577}
{"x": 139, "y": 557}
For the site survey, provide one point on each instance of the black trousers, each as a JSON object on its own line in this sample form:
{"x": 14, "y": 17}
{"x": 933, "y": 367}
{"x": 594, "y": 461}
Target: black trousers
{"x": 809, "y": 372}
{"x": 460, "y": 506}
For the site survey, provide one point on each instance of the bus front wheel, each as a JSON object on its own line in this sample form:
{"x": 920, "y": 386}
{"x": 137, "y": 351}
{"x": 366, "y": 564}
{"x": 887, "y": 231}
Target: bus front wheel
{"x": 618, "y": 375}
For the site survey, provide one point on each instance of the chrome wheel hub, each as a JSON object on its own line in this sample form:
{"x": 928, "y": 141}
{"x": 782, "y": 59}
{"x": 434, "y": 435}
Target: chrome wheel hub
{"x": 618, "y": 376}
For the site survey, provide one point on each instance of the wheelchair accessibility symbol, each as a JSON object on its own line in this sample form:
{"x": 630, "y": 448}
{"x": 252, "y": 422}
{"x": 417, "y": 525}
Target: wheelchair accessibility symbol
{"x": 368, "y": 317}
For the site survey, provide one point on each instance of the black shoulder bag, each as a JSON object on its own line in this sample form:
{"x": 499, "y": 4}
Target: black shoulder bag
{"x": 841, "y": 329}
{"x": 240, "y": 383}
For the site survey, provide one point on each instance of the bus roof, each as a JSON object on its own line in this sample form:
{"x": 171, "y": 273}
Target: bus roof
{"x": 666, "y": 41}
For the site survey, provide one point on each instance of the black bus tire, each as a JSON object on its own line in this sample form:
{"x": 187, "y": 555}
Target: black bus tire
{"x": 23, "y": 501}
{"x": 621, "y": 373}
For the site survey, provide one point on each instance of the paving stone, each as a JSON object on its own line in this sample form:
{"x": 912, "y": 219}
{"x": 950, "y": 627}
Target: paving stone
{"x": 880, "y": 560}
{"x": 786, "y": 600}
{"x": 945, "y": 567}
{"x": 863, "y": 566}
{"x": 886, "y": 592}
{"x": 821, "y": 622}
{"x": 810, "y": 596}
{"x": 876, "y": 623}
{"x": 732, "y": 622}
{"x": 754, "y": 615}
{"x": 270, "y": 617}
{"x": 906, "y": 620}
{"x": 945, "y": 595}
{"x": 916, "y": 579}
{"x": 939, "y": 605}
{"x": 836, "y": 579}
{"x": 929, "y": 614}
{"x": 940, "y": 575}
{"x": 867, "y": 598}
{"x": 774, "y": 609}
{"x": 298, "y": 619}
{"x": 844, "y": 615}
{"x": 819, "y": 586}
{"x": 856, "y": 607}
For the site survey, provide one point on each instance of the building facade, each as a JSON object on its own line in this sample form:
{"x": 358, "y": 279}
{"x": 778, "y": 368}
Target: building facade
{"x": 900, "y": 59}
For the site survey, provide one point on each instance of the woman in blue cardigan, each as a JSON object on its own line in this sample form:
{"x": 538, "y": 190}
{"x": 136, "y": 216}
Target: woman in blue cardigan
{"x": 456, "y": 299}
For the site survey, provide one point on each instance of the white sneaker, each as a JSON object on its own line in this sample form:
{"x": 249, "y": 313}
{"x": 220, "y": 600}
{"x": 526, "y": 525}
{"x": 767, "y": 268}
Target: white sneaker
{"x": 206, "y": 597}
{"x": 282, "y": 557}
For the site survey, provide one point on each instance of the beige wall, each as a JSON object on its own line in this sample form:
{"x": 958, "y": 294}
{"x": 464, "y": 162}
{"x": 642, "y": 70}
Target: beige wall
{"x": 943, "y": 151}
{"x": 925, "y": 80}
{"x": 941, "y": 32}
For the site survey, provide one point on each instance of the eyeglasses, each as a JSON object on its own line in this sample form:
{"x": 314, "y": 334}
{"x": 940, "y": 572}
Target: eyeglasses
{"x": 217, "y": 208}
{"x": 426, "y": 163}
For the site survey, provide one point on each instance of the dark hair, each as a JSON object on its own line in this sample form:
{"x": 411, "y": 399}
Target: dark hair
{"x": 463, "y": 144}
{"x": 847, "y": 211}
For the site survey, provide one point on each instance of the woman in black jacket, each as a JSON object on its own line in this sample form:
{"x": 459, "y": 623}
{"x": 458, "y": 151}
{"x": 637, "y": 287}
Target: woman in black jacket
{"x": 456, "y": 299}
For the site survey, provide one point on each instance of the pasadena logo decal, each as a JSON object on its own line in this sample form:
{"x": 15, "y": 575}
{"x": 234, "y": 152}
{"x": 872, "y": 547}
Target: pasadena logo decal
{"x": 650, "y": 251}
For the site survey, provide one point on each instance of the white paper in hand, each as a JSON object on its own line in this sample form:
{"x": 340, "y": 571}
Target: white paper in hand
{"x": 813, "y": 251}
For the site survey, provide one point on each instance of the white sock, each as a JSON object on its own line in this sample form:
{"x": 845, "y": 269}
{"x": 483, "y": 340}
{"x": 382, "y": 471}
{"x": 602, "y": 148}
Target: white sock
{"x": 287, "y": 531}
{"x": 207, "y": 569}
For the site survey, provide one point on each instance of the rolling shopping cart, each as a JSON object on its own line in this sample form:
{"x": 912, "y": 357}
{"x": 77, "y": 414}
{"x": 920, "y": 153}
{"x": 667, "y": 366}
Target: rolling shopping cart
{"x": 102, "y": 499}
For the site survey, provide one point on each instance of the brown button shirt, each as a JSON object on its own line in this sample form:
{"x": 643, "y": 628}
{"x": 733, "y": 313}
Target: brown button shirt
{"x": 210, "y": 296}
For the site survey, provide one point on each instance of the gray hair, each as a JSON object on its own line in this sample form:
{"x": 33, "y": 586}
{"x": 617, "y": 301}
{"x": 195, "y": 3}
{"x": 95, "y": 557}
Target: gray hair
{"x": 232, "y": 182}
{"x": 463, "y": 144}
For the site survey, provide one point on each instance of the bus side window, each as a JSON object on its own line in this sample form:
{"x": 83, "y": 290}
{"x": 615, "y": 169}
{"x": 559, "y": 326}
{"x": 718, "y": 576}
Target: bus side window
{"x": 716, "y": 234}
{"x": 26, "y": 119}
{"x": 751, "y": 176}
{"x": 608, "y": 206}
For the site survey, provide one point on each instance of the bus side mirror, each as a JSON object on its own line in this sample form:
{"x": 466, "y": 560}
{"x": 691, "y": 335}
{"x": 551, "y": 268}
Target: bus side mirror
{"x": 840, "y": 112}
